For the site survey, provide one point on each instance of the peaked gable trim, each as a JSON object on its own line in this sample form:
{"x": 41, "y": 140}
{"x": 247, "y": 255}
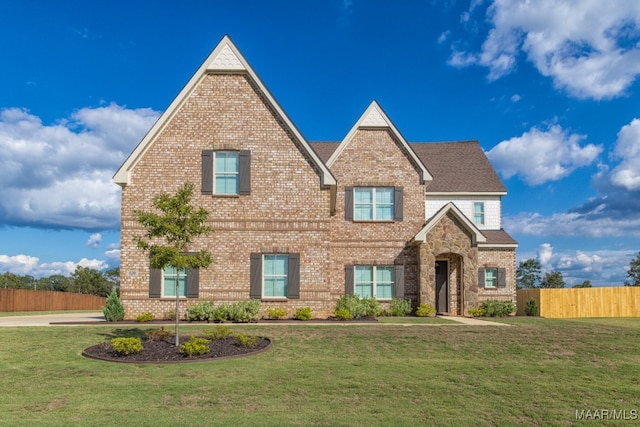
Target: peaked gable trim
{"x": 225, "y": 58}
{"x": 374, "y": 117}
{"x": 476, "y": 234}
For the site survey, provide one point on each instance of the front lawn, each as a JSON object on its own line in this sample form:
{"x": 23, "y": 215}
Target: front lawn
{"x": 536, "y": 372}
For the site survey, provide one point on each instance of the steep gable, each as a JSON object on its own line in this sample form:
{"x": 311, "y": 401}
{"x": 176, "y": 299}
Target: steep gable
{"x": 225, "y": 59}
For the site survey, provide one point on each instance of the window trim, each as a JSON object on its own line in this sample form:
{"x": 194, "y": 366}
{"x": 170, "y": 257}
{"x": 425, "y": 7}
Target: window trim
{"x": 156, "y": 284}
{"x": 479, "y": 217}
{"x": 217, "y": 174}
{"x": 256, "y": 276}
{"x": 493, "y": 279}
{"x": 184, "y": 274}
{"x": 208, "y": 173}
{"x": 264, "y": 276}
{"x": 397, "y": 203}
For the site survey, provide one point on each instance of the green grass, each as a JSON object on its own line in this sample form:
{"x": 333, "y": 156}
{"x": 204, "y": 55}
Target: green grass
{"x": 43, "y": 313}
{"x": 536, "y": 372}
{"x": 417, "y": 320}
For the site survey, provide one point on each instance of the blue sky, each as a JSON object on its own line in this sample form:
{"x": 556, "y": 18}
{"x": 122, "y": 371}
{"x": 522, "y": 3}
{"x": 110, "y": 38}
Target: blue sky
{"x": 549, "y": 88}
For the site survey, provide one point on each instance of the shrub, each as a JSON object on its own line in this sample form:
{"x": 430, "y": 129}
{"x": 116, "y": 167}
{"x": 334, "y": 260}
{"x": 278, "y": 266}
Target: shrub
{"x": 531, "y": 308}
{"x": 221, "y": 313}
{"x": 425, "y": 310}
{"x": 126, "y": 346}
{"x": 399, "y": 307}
{"x": 145, "y": 317}
{"x": 195, "y": 347}
{"x": 494, "y": 308}
{"x": 358, "y": 307}
{"x": 276, "y": 313}
{"x": 170, "y": 315}
{"x": 113, "y": 310}
{"x": 218, "y": 333}
{"x": 159, "y": 334}
{"x": 303, "y": 313}
{"x": 343, "y": 314}
{"x": 250, "y": 341}
{"x": 244, "y": 311}
{"x": 476, "y": 312}
{"x": 200, "y": 311}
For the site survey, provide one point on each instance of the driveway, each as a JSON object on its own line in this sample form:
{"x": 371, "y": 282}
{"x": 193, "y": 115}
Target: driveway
{"x": 51, "y": 319}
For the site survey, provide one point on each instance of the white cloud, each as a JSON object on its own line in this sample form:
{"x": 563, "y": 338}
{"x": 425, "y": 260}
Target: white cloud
{"x": 588, "y": 47}
{"x": 59, "y": 175}
{"x": 545, "y": 252}
{"x": 444, "y": 36}
{"x": 540, "y": 156}
{"x": 627, "y": 173}
{"x": 113, "y": 254}
{"x": 28, "y": 265}
{"x": 94, "y": 240}
{"x": 515, "y": 98}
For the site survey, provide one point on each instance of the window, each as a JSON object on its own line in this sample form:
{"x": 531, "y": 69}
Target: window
{"x": 226, "y": 172}
{"x": 274, "y": 275}
{"x": 478, "y": 213}
{"x": 169, "y": 276}
{"x": 373, "y": 203}
{"x": 381, "y": 282}
{"x": 490, "y": 277}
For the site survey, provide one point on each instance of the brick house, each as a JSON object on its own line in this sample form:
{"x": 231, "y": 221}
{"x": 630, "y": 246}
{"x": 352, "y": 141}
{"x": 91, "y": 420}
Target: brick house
{"x": 300, "y": 223}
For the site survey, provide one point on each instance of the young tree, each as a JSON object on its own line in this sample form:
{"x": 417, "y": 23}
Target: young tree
{"x": 528, "y": 274}
{"x": 170, "y": 232}
{"x": 633, "y": 274}
{"x": 552, "y": 280}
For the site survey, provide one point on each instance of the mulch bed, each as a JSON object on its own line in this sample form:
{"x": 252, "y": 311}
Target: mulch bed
{"x": 165, "y": 351}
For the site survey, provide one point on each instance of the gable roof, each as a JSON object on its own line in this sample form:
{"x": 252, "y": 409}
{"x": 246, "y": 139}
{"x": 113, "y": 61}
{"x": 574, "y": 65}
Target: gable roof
{"x": 225, "y": 58}
{"x": 476, "y": 234}
{"x": 375, "y": 118}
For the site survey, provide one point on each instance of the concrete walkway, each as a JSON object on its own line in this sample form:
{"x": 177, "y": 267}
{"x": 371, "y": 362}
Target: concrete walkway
{"x": 473, "y": 321}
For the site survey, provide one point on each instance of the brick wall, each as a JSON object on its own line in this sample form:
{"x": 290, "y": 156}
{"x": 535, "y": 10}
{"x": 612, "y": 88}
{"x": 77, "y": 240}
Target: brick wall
{"x": 503, "y": 258}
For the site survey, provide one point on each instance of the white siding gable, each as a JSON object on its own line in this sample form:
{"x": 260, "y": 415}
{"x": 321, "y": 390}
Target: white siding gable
{"x": 492, "y": 208}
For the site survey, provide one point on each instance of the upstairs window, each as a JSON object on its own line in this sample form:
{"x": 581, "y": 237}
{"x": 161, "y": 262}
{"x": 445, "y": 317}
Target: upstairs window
{"x": 478, "y": 213}
{"x": 373, "y": 203}
{"x": 226, "y": 172}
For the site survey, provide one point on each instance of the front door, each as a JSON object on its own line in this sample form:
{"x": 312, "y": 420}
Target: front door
{"x": 442, "y": 286}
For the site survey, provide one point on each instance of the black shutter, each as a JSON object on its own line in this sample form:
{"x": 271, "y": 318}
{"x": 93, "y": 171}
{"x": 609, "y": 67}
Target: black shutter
{"x": 293, "y": 287}
{"x": 155, "y": 283}
{"x": 348, "y": 280}
{"x": 398, "y": 200}
{"x": 207, "y": 172}
{"x": 348, "y": 203}
{"x": 502, "y": 278}
{"x": 255, "y": 287}
{"x": 193, "y": 283}
{"x": 398, "y": 286}
{"x": 481, "y": 277}
{"x": 244, "y": 158}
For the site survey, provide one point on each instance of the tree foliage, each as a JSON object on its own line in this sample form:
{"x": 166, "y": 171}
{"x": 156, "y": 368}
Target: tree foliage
{"x": 169, "y": 232}
{"x": 552, "y": 280}
{"x": 83, "y": 280}
{"x": 585, "y": 284}
{"x": 633, "y": 274}
{"x": 528, "y": 274}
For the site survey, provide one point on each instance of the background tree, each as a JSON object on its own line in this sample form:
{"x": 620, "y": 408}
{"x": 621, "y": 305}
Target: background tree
{"x": 552, "y": 280}
{"x": 85, "y": 280}
{"x": 170, "y": 232}
{"x": 113, "y": 277}
{"x": 528, "y": 274}
{"x": 633, "y": 274}
{"x": 585, "y": 284}
{"x": 11, "y": 281}
{"x": 56, "y": 282}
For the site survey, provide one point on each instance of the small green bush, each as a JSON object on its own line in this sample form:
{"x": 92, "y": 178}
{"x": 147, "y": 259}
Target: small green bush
{"x": 201, "y": 311}
{"x": 221, "y": 313}
{"x": 250, "y": 341}
{"x": 218, "y": 333}
{"x": 476, "y": 312}
{"x": 425, "y": 310}
{"x": 343, "y": 314}
{"x": 245, "y": 311}
{"x": 145, "y": 317}
{"x": 276, "y": 313}
{"x": 126, "y": 346}
{"x": 113, "y": 310}
{"x": 531, "y": 308}
{"x": 195, "y": 347}
{"x": 159, "y": 334}
{"x": 399, "y": 307}
{"x": 495, "y": 308}
{"x": 303, "y": 313}
{"x": 170, "y": 315}
{"x": 358, "y": 307}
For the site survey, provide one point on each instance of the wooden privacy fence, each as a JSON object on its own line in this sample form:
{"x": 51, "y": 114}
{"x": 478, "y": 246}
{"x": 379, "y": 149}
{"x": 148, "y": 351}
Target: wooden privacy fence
{"x": 582, "y": 302}
{"x": 28, "y": 300}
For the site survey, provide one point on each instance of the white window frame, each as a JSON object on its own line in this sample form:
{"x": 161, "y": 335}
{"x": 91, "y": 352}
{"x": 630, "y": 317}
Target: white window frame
{"x": 236, "y": 173}
{"x": 172, "y": 277}
{"x": 374, "y": 283}
{"x": 491, "y": 279}
{"x": 374, "y": 204}
{"x": 478, "y": 214}
{"x": 285, "y": 275}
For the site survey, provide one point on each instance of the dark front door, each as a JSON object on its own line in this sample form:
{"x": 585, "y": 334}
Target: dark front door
{"x": 442, "y": 286}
